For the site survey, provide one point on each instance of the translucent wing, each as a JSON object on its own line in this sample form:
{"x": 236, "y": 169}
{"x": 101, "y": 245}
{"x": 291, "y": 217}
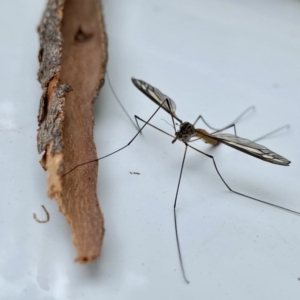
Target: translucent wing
{"x": 156, "y": 96}
{"x": 251, "y": 148}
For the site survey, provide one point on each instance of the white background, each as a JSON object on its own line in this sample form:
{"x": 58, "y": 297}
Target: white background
{"x": 214, "y": 58}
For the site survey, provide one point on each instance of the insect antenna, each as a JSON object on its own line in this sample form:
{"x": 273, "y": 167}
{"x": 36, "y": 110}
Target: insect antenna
{"x": 168, "y": 122}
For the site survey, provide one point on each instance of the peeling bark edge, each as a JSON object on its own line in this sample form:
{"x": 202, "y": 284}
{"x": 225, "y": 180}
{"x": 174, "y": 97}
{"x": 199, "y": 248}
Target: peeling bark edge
{"x": 50, "y": 119}
{"x": 76, "y": 195}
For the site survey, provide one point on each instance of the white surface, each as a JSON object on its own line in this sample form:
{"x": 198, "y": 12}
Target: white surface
{"x": 212, "y": 57}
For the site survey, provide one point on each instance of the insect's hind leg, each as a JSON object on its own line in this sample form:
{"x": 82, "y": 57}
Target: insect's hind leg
{"x": 200, "y": 117}
{"x": 261, "y": 137}
{"x": 227, "y": 127}
{"x": 272, "y": 132}
{"x": 238, "y": 193}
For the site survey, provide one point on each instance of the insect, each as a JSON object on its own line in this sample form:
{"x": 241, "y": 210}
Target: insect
{"x": 188, "y": 133}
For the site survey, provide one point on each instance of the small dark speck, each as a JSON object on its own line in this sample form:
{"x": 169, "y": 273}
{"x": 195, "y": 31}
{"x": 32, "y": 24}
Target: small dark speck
{"x": 135, "y": 173}
{"x": 275, "y": 85}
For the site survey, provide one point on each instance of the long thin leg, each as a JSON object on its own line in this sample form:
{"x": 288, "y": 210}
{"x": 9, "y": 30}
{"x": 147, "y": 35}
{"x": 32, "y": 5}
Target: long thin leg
{"x": 120, "y": 103}
{"x": 173, "y": 126}
{"x": 238, "y": 193}
{"x": 175, "y": 202}
{"x": 258, "y": 139}
{"x": 138, "y": 118}
{"x": 251, "y": 108}
{"x": 175, "y": 218}
{"x": 272, "y": 132}
{"x": 137, "y": 124}
{"x": 229, "y": 188}
{"x": 173, "y": 121}
{"x": 94, "y": 160}
{"x": 227, "y": 127}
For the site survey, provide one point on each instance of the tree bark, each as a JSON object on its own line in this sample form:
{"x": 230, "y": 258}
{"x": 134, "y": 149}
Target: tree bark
{"x": 73, "y": 56}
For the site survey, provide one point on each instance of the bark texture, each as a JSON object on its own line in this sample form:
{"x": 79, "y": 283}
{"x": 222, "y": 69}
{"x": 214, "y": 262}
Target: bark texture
{"x": 73, "y": 55}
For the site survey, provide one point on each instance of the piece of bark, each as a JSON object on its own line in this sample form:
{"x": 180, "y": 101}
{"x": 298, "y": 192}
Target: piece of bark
{"x": 73, "y": 55}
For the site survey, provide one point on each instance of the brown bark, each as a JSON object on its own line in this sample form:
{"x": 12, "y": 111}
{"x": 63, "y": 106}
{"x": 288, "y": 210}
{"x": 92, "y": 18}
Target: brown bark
{"x": 72, "y": 68}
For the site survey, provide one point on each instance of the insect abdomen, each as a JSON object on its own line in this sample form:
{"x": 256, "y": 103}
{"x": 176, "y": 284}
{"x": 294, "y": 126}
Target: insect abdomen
{"x": 204, "y": 135}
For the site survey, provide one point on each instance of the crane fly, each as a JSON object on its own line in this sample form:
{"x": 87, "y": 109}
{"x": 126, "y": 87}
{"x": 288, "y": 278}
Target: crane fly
{"x": 187, "y": 130}
{"x": 188, "y": 133}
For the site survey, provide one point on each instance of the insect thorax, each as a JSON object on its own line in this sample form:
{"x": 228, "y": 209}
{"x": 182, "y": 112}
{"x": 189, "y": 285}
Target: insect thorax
{"x": 186, "y": 131}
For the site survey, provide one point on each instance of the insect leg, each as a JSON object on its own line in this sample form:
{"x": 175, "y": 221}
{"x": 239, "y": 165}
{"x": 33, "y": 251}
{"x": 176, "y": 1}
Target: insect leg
{"x": 120, "y": 103}
{"x": 261, "y": 137}
{"x": 94, "y": 160}
{"x": 136, "y": 121}
{"x": 227, "y": 127}
{"x": 272, "y": 132}
{"x": 170, "y": 112}
{"x": 238, "y": 193}
{"x": 138, "y": 118}
{"x": 175, "y": 202}
{"x": 175, "y": 218}
{"x": 251, "y": 108}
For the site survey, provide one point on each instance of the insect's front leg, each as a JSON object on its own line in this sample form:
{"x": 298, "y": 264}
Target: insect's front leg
{"x": 138, "y": 118}
{"x": 137, "y": 123}
{"x": 140, "y": 130}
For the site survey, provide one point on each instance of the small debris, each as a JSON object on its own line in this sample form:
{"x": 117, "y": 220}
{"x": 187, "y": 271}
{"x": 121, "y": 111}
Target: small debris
{"x": 47, "y": 214}
{"x": 136, "y": 173}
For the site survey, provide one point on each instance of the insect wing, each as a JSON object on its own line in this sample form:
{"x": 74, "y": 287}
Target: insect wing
{"x": 251, "y": 148}
{"x": 156, "y": 96}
